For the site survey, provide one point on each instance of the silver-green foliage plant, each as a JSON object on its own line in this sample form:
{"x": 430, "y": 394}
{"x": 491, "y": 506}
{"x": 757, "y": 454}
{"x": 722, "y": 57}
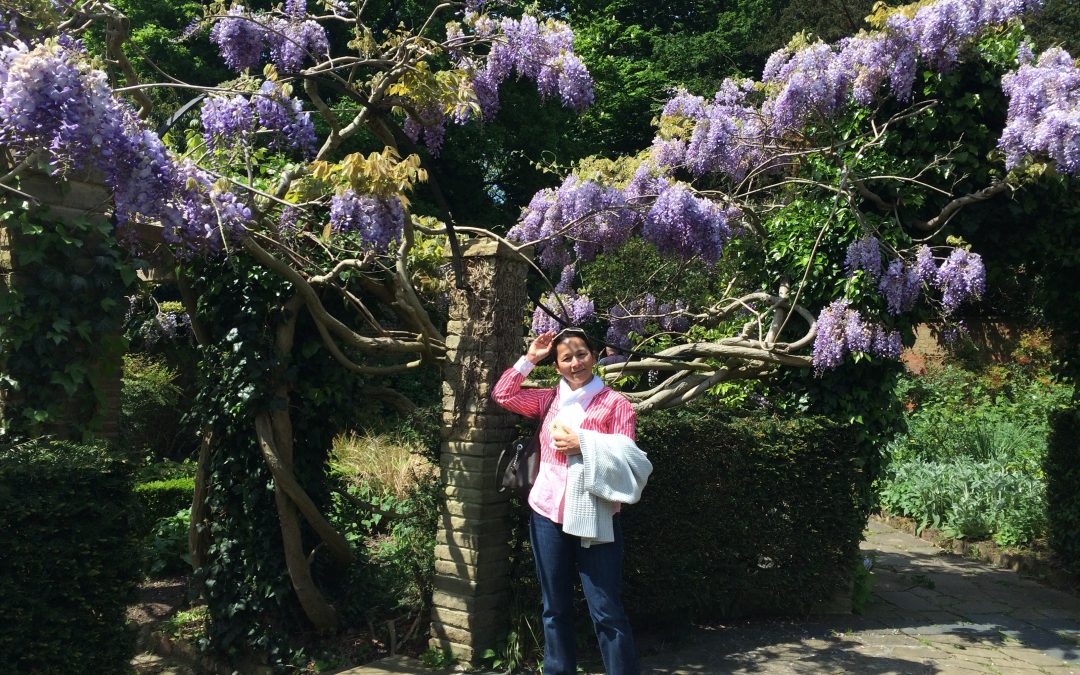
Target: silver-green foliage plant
{"x": 970, "y": 462}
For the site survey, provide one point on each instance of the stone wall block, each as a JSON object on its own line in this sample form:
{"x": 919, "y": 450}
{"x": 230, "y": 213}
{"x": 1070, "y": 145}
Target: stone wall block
{"x": 472, "y": 556}
{"x": 467, "y": 603}
{"x": 482, "y": 464}
{"x": 484, "y": 337}
{"x": 472, "y": 510}
{"x": 473, "y": 448}
{"x": 467, "y": 571}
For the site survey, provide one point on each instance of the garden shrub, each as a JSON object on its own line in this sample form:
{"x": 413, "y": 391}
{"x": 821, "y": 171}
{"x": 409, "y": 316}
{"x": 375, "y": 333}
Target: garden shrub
{"x": 166, "y": 551}
{"x": 742, "y": 515}
{"x": 1062, "y": 469}
{"x": 70, "y": 564}
{"x": 161, "y": 499}
{"x": 970, "y": 462}
{"x": 149, "y": 406}
{"x": 386, "y": 504}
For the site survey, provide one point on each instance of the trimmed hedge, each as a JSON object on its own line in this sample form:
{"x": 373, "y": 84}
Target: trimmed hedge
{"x": 69, "y": 561}
{"x": 1062, "y": 470}
{"x": 162, "y": 499}
{"x": 742, "y": 516}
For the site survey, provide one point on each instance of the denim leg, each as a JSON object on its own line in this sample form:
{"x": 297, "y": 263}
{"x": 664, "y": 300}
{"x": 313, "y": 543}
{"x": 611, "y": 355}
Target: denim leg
{"x": 554, "y": 553}
{"x": 600, "y": 566}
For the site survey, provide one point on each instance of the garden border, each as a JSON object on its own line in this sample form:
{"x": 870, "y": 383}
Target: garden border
{"x": 1039, "y": 564}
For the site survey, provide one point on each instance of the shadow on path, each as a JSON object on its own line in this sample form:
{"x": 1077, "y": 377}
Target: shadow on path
{"x": 931, "y": 612}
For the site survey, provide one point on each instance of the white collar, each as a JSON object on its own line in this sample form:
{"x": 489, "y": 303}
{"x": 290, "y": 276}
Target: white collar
{"x": 582, "y": 395}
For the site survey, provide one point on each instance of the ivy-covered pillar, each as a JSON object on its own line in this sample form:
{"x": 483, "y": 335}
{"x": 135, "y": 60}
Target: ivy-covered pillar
{"x": 62, "y": 283}
{"x": 484, "y": 337}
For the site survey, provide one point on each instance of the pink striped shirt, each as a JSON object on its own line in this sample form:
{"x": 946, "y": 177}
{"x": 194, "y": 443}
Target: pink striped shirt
{"x": 608, "y": 412}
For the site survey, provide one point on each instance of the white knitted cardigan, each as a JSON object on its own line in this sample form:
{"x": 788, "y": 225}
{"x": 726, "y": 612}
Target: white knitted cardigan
{"x": 610, "y": 469}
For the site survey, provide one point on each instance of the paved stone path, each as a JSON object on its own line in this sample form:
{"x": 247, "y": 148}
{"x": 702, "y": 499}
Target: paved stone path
{"x": 931, "y": 613}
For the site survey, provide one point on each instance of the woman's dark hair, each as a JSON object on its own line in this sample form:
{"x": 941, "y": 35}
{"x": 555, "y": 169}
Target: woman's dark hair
{"x": 572, "y": 331}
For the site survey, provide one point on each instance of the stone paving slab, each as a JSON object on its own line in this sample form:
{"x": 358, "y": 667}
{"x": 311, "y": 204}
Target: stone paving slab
{"x": 931, "y": 612}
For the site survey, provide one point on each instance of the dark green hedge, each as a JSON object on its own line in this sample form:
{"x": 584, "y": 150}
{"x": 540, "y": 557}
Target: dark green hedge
{"x": 68, "y": 562}
{"x": 742, "y": 515}
{"x": 161, "y": 499}
{"x": 1062, "y": 470}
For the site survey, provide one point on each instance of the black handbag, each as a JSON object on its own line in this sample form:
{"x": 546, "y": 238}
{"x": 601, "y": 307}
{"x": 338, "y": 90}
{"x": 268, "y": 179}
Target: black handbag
{"x": 519, "y": 464}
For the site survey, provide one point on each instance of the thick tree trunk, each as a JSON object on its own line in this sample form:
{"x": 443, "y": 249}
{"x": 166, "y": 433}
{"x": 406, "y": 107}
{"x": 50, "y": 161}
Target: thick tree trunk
{"x": 321, "y": 614}
{"x": 199, "y": 529}
{"x": 275, "y": 433}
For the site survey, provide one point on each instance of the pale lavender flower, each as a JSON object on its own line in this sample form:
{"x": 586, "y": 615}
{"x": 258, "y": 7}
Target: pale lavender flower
{"x": 378, "y": 220}
{"x": 683, "y": 224}
{"x": 901, "y": 286}
{"x": 285, "y": 116}
{"x": 864, "y": 254}
{"x": 961, "y": 276}
{"x": 226, "y": 121}
{"x": 570, "y": 310}
{"x": 239, "y": 38}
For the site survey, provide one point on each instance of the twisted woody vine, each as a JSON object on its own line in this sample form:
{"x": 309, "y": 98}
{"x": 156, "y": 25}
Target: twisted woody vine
{"x": 268, "y": 175}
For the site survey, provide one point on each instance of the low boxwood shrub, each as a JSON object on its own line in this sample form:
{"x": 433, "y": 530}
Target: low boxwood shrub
{"x": 69, "y": 560}
{"x": 742, "y": 516}
{"x": 1062, "y": 470}
{"x": 162, "y": 499}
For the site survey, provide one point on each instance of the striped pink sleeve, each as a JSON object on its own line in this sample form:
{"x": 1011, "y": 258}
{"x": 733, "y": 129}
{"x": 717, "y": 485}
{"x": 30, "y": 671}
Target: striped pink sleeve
{"x": 509, "y": 394}
{"x": 623, "y": 418}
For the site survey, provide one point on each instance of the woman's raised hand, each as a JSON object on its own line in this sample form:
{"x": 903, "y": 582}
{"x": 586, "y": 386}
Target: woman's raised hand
{"x": 540, "y": 347}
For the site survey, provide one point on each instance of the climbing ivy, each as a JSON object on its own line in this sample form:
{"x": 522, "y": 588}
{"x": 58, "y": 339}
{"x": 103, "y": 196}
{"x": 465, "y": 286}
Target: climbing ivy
{"x": 62, "y": 308}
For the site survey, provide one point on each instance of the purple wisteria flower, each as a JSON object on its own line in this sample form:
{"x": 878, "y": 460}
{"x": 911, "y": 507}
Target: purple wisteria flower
{"x": 841, "y": 330}
{"x": 240, "y": 39}
{"x": 292, "y": 43}
{"x": 285, "y": 116}
{"x": 226, "y": 121}
{"x": 296, "y": 9}
{"x": 1044, "y": 111}
{"x": 541, "y": 51}
{"x": 593, "y": 217}
{"x": 378, "y": 220}
{"x": 961, "y": 276}
{"x": 688, "y": 226}
{"x": 571, "y": 310}
{"x": 901, "y": 286}
{"x": 632, "y": 318}
{"x": 864, "y": 254}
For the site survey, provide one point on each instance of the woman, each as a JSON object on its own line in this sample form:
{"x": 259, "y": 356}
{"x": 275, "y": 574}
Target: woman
{"x": 581, "y": 411}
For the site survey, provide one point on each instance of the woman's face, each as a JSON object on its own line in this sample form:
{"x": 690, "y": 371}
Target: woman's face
{"x": 574, "y": 361}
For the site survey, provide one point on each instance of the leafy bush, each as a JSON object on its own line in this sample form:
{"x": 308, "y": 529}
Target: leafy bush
{"x": 149, "y": 404}
{"x": 968, "y": 499}
{"x": 971, "y": 460}
{"x": 162, "y": 499}
{"x": 166, "y": 551}
{"x": 1062, "y": 468}
{"x": 70, "y": 561}
{"x": 742, "y": 515}
{"x": 386, "y": 504}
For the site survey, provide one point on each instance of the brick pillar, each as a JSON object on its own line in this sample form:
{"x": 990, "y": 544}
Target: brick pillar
{"x": 66, "y": 201}
{"x": 484, "y": 337}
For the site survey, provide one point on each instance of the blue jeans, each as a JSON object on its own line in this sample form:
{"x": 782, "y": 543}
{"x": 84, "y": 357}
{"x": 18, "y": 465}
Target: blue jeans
{"x": 558, "y": 556}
